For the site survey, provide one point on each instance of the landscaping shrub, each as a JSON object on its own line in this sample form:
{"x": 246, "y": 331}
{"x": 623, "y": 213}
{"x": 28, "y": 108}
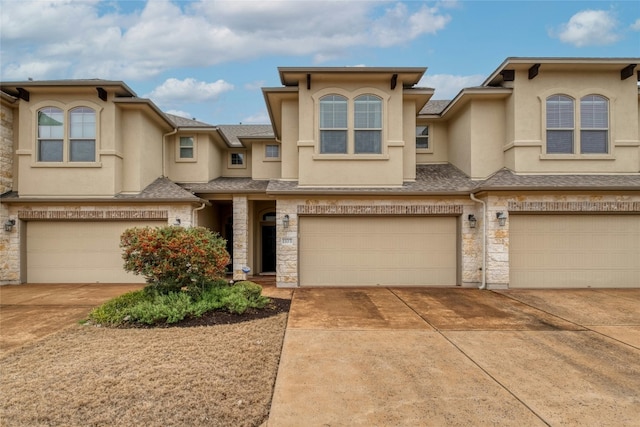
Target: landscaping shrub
{"x": 172, "y": 258}
{"x": 149, "y": 306}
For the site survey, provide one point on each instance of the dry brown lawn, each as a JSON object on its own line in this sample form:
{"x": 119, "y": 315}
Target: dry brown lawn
{"x": 220, "y": 375}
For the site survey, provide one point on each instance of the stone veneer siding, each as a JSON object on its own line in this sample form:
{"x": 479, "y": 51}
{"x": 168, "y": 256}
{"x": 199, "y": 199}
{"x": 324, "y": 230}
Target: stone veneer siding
{"x": 8, "y": 240}
{"x": 240, "y": 236}
{"x": 470, "y": 239}
{"x": 10, "y": 256}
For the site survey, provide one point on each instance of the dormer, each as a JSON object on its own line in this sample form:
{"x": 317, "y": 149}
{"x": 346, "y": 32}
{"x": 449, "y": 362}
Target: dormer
{"x": 347, "y": 126}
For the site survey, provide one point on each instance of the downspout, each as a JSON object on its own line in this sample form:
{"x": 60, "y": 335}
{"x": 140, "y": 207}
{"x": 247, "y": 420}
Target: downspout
{"x": 194, "y": 215}
{"x": 164, "y": 142}
{"x": 484, "y": 240}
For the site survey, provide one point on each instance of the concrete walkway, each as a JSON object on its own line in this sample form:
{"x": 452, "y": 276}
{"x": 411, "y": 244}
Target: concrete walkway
{"x": 435, "y": 357}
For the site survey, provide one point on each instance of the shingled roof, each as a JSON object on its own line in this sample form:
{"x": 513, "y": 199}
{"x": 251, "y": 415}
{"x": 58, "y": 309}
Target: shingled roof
{"x": 234, "y": 133}
{"x": 162, "y": 189}
{"x": 507, "y": 180}
{"x": 228, "y": 185}
{"x": 183, "y": 122}
{"x": 436, "y": 106}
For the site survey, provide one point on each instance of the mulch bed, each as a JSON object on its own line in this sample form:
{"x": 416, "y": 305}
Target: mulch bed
{"x": 221, "y": 317}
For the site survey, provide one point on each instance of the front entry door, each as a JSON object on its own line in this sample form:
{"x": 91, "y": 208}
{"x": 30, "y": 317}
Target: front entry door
{"x": 268, "y": 248}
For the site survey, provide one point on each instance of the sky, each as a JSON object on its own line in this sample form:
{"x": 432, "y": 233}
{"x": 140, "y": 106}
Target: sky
{"x": 208, "y": 60}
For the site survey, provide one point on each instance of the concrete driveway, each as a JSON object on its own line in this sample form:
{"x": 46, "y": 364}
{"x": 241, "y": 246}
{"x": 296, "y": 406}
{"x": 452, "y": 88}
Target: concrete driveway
{"x": 31, "y": 312}
{"x": 432, "y": 357}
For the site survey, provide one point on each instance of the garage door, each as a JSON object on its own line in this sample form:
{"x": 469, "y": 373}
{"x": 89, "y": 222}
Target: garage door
{"x": 78, "y": 252}
{"x": 369, "y": 251}
{"x": 574, "y": 251}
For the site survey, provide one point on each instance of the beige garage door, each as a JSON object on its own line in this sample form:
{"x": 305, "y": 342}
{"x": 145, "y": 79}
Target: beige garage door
{"x": 78, "y": 252}
{"x": 370, "y": 251}
{"x": 574, "y": 251}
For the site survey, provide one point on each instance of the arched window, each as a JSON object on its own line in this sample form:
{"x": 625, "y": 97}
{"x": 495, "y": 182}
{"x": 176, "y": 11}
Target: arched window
{"x": 50, "y": 134}
{"x": 333, "y": 124}
{"x": 82, "y": 135}
{"x": 560, "y": 124}
{"x": 368, "y": 124}
{"x": 594, "y": 124}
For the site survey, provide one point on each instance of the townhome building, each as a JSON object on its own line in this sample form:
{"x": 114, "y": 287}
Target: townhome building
{"x": 530, "y": 180}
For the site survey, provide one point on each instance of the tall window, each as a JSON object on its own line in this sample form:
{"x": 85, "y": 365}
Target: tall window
{"x": 560, "y": 124}
{"x": 594, "y": 124}
{"x": 368, "y": 124}
{"x": 79, "y": 141}
{"x": 333, "y": 124}
{"x": 422, "y": 137}
{"x": 82, "y": 135}
{"x": 186, "y": 147}
{"x": 50, "y": 135}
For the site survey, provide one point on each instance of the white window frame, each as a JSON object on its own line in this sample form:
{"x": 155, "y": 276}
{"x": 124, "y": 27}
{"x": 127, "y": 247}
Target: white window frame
{"x": 242, "y": 155}
{"x": 268, "y": 156}
{"x": 427, "y": 137}
{"x": 578, "y": 126}
{"x": 179, "y": 147}
{"x": 350, "y": 129}
{"x": 67, "y": 138}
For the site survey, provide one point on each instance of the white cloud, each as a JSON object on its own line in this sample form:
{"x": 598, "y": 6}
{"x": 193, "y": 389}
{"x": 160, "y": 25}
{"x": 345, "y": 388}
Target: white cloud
{"x": 257, "y": 85}
{"x": 258, "y": 118}
{"x": 636, "y": 25}
{"x": 447, "y": 86}
{"x": 589, "y": 28}
{"x": 97, "y": 39}
{"x": 188, "y": 90}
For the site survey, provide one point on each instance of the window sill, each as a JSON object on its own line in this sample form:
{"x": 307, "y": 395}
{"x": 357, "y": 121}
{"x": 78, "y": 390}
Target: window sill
{"x": 577, "y": 157}
{"x": 424, "y": 150}
{"x": 350, "y": 157}
{"x": 272, "y": 159}
{"x": 186, "y": 160}
{"x": 66, "y": 165}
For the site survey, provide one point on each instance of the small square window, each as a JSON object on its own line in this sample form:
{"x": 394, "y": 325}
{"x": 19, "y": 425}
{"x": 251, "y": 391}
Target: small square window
{"x": 272, "y": 152}
{"x": 186, "y": 147}
{"x": 237, "y": 159}
{"x": 422, "y": 137}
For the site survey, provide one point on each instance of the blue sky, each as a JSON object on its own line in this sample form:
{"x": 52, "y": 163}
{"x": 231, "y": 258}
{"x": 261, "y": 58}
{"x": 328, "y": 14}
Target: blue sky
{"x": 208, "y": 59}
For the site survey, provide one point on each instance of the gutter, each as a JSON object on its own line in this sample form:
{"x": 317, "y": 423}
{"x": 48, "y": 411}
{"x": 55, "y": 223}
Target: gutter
{"x": 484, "y": 240}
{"x": 194, "y": 216}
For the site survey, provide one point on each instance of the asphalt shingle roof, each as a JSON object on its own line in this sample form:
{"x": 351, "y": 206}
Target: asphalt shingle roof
{"x": 183, "y": 122}
{"x": 233, "y": 133}
{"x": 435, "y": 107}
{"x": 162, "y": 189}
{"x": 228, "y": 185}
{"x": 506, "y": 180}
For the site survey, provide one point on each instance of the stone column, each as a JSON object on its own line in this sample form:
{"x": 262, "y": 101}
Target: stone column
{"x": 240, "y": 236}
{"x": 497, "y": 244}
{"x": 287, "y": 244}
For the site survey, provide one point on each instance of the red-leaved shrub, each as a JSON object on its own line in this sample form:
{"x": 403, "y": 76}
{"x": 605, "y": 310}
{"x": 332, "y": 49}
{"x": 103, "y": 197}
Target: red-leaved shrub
{"x": 174, "y": 257}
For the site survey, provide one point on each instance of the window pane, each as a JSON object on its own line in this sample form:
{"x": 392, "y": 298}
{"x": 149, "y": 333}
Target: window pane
{"x": 560, "y": 141}
{"x": 83, "y": 123}
{"x": 559, "y": 112}
{"x": 333, "y": 112}
{"x": 368, "y": 141}
{"x": 82, "y": 150}
{"x": 186, "y": 147}
{"x": 50, "y": 123}
{"x": 333, "y": 141}
{"x": 593, "y": 141}
{"x": 272, "y": 151}
{"x": 50, "y": 150}
{"x": 237, "y": 159}
{"x": 368, "y": 112}
{"x": 594, "y": 112}
{"x": 422, "y": 136}
{"x": 186, "y": 153}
